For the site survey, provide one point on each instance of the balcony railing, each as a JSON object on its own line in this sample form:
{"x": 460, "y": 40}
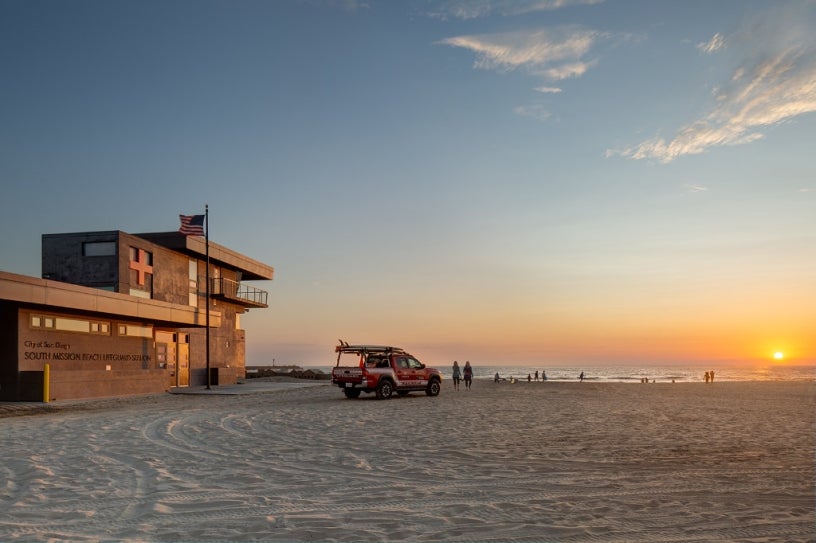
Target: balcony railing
{"x": 238, "y": 292}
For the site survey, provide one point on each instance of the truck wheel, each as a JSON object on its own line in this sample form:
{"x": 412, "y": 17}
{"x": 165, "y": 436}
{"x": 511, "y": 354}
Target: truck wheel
{"x": 433, "y": 388}
{"x": 384, "y": 389}
{"x": 351, "y": 393}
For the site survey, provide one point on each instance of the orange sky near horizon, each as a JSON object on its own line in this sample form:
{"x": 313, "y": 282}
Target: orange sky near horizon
{"x": 602, "y": 331}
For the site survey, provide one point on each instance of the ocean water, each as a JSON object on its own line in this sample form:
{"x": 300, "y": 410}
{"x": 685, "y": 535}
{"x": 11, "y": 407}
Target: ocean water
{"x": 634, "y": 374}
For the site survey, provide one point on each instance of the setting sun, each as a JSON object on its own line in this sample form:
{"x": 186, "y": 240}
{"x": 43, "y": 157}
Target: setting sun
{"x": 779, "y": 355}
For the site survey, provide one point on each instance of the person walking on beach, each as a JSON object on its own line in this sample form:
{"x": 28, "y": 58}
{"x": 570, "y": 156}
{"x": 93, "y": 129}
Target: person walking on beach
{"x": 536, "y": 376}
{"x": 706, "y": 377}
{"x": 457, "y": 375}
{"x": 711, "y": 374}
{"x": 468, "y": 374}
{"x": 543, "y": 375}
{"x": 581, "y": 377}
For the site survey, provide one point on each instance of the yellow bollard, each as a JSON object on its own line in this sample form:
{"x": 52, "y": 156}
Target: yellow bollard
{"x": 46, "y": 382}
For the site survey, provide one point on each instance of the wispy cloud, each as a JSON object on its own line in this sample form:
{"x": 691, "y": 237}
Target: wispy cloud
{"x": 553, "y": 54}
{"x": 695, "y": 188}
{"x": 716, "y": 43}
{"x": 534, "y": 111}
{"x": 474, "y": 9}
{"x": 775, "y": 82}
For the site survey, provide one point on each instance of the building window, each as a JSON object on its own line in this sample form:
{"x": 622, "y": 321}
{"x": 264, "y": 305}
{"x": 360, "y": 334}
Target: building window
{"x": 42, "y": 321}
{"x": 132, "y": 330}
{"x": 193, "y": 281}
{"x": 72, "y": 325}
{"x": 99, "y": 248}
{"x": 102, "y": 328}
{"x": 64, "y": 324}
{"x": 161, "y": 354}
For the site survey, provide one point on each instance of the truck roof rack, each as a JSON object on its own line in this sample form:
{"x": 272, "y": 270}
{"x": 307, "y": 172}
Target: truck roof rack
{"x": 344, "y": 347}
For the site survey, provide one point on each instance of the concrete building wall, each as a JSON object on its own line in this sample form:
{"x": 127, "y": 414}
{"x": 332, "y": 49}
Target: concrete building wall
{"x": 63, "y": 259}
{"x": 170, "y": 270}
{"x": 72, "y": 258}
{"x": 83, "y": 364}
{"x": 227, "y": 348}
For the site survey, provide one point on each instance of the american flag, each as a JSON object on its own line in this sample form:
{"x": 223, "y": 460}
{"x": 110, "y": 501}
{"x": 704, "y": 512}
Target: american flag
{"x": 192, "y": 225}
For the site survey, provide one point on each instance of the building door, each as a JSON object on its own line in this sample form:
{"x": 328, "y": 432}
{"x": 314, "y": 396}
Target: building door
{"x": 183, "y": 362}
{"x": 166, "y": 354}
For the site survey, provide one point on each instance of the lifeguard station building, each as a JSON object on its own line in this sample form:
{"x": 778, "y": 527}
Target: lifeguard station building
{"x": 119, "y": 314}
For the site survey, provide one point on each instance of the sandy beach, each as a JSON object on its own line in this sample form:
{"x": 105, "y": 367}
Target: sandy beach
{"x": 564, "y": 462}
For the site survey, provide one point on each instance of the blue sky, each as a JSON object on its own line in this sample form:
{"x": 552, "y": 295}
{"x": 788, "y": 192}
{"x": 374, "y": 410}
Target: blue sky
{"x": 500, "y": 181}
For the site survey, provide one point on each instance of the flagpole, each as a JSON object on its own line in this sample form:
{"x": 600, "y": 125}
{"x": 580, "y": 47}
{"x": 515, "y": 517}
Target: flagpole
{"x": 207, "y": 319}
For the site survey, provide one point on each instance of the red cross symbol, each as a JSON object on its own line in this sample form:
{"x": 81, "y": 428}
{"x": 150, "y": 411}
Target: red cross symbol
{"x": 141, "y": 266}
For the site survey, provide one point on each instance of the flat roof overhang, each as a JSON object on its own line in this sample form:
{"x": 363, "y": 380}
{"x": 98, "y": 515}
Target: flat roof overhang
{"x": 74, "y": 298}
{"x": 251, "y": 270}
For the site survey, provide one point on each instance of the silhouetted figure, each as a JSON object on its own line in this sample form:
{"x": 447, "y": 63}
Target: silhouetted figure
{"x": 543, "y": 375}
{"x": 457, "y": 375}
{"x": 707, "y": 377}
{"x": 468, "y": 375}
{"x": 581, "y": 377}
{"x": 711, "y": 373}
{"x": 536, "y": 375}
